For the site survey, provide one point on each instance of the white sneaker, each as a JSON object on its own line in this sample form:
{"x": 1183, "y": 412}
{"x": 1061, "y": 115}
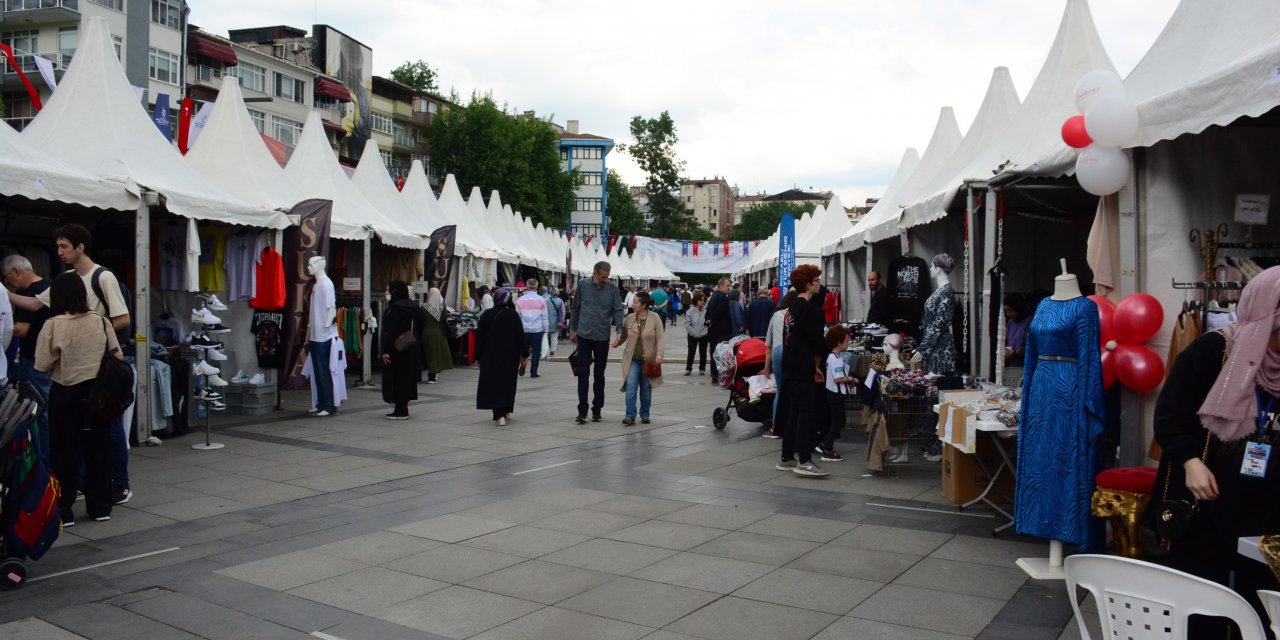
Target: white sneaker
{"x": 211, "y": 301}
{"x": 240, "y": 377}
{"x": 257, "y": 378}
{"x": 204, "y": 316}
{"x": 217, "y": 406}
{"x": 216, "y": 381}
{"x": 215, "y": 355}
{"x": 321, "y": 414}
{"x": 203, "y": 368}
{"x": 502, "y": 422}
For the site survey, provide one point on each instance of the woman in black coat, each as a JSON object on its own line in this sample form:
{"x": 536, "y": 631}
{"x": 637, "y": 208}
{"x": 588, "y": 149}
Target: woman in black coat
{"x": 400, "y": 369}
{"x": 500, "y": 348}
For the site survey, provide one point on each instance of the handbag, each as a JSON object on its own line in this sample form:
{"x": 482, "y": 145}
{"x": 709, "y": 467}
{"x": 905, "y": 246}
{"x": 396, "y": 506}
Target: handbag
{"x": 112, "y": 390}
{"x": 404, "y": 341}
{"x": 573, "y": 362}
{"x": 650, "y": 368}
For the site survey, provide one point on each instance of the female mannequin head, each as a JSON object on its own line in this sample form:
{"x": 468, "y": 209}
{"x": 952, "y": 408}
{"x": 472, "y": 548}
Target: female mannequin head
{"x": 943, "y": 263}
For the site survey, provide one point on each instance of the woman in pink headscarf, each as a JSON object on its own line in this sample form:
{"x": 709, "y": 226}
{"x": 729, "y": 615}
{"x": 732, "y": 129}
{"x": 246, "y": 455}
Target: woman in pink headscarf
{"x": 1218, "y": 404}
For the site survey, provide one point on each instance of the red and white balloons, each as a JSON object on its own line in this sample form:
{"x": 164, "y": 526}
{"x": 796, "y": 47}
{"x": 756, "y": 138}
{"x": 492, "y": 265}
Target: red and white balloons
{"x": 1123, "y": 330}
{"x": 1109, "y": 121}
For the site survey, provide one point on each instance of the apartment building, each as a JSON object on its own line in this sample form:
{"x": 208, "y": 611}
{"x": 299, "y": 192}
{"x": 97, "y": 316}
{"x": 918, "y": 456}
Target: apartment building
{"x": 641, "y": 197}
{"x": 148, "y": 38}
{"x": 711, "y": 203}
{"x": 587, "y": 153}
{"x": 401, "y": 115}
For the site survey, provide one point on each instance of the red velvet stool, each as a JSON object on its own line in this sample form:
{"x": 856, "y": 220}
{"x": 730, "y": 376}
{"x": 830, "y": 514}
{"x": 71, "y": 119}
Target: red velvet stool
{"x": 1121, "y": 496}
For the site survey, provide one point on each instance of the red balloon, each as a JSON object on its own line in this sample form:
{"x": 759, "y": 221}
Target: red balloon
{"x": 1074, "y": 134}
{"x": 1106, "y": 319}
{"x": 1138, "y": 317}
{"x": 1138, "y": 367}
{"x": 1108, "y": 369}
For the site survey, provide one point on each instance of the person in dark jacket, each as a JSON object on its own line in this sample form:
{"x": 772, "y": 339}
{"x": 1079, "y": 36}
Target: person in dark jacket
{"x": 719, "y": 322}
{"x": 400, "y": 369}
{"x": 759, "y": 314}
{"x": 500, "y": 350}
{"x": 878, "y": 310}
{"x": 804, "y": 349}
{"x": 737, "y": 314}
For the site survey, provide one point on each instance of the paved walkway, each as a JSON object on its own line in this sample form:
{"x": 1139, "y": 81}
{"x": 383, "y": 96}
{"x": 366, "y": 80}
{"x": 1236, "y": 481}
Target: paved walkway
{"x": 448, "y": 526}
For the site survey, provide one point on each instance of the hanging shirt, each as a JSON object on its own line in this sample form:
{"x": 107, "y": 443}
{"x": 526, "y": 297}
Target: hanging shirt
{"x": 240, "y": 262}
{"x": 191, "y": 274}
{"x": 269, "y": 289}
{"x": 172, "y": 258}
{"x": 213, "y": 248}
{"x": 266, "y": 338}
{"x": 323, "y": 298}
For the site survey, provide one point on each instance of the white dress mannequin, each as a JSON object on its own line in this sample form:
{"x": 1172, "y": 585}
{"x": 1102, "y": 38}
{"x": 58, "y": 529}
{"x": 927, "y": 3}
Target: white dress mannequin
{"x": 940, "y": 278}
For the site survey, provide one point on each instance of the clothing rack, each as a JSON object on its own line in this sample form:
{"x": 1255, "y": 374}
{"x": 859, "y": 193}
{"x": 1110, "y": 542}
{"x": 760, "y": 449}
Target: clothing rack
{"x": 1249, "y": 245}
{"x": 1207, "y": 287}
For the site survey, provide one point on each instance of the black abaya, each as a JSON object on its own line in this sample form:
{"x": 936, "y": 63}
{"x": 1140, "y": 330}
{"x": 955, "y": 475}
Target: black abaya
{"x": 400, "y": 377}
{"x": 500, "y": 345}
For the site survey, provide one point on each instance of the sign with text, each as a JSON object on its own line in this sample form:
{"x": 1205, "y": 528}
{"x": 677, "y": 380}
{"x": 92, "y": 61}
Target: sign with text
{"x": 351, "y": 284}
{"x": 310, "y": 238}
{"x": 786, "y": 250}
{"x": 1252, "y": 208}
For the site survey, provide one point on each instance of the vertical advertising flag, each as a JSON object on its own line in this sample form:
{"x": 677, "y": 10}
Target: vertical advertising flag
{"x": 310, "y": 238}
{"x": 160, "y": 115}
{"x": 786, "y": 250}
{"x": 441, "y": 255}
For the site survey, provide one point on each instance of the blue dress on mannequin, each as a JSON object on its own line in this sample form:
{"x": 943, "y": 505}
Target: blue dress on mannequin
{"x": 1063, "y": 413}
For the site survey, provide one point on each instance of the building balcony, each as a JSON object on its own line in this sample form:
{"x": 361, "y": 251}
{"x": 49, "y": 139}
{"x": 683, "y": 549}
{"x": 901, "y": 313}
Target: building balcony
{"x": 206, "y": 75}
{"x": 38, "y": 12}
{"x": 27, "y": 62}
{"x": 422, "y": 118}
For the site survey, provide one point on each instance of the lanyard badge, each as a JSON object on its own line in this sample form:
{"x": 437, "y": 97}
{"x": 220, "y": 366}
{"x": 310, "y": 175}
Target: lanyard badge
{"x": 1257, "y": 452}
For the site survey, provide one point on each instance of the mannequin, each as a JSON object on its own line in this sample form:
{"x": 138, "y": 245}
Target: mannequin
{"x": 1062, "y": 411}
{"x": 937, "y": 348}
{"x": 322, "y": 330}
{"x": 892, "y": 344}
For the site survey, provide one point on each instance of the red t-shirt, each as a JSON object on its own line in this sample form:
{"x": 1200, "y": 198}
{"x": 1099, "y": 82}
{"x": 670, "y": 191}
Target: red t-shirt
{"x": 776, "y": 294}
{"x": 831, "y": 307}
{"x": 269, "y": 294}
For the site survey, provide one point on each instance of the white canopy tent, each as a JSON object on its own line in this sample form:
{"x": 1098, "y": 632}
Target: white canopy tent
{"x": 474, "y": 209}
{"x": 455, "y": 207}
{"x": 852, "y": 239}
{"x": 373, "y": 182}
{"x": 422, "y": 202}
{"x": 828, "y": 222}
{"x": 27, "y": 172}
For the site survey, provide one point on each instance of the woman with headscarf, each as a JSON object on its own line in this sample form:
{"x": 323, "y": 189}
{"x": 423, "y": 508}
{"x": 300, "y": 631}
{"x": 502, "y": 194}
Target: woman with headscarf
{"x": 1216, "y": 420}
{"x": 435, "y": 346}
{"x": 500, "y": 350}
{"x": 401, "y": 368}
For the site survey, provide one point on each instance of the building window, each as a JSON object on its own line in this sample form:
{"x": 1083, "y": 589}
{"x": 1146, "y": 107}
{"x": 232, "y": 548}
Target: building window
{"x": 119, "y": 44}
{"x": 325, "y": 102}
{"x": 68, "y": 40}
{"x": 259, "y": 120}
{"x": 118, "y": 5}
{"x": 382, "y": 124}
{"x": 285, "y": 130}
{"x": 587, "y": 153}
{"x": 591, "y": 178}
{"x": 251, "y": 76}
{"x": 163, "y": 66}
{"x": 588, "y": 204}
{"x": 564, "y": 155}
{"x": 167, "y": 13}
{"x": 688, "y": 199}
{"x": 713, "y": 226}
{"x": 24, "y": 42}
{"x": 290, "y": 88}
{"x": 402, "y": 136}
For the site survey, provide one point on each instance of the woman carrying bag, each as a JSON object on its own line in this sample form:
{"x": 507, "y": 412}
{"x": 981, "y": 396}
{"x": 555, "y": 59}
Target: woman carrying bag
{"x": 435, "y": 344}
{"x": 642, "y": 358}
{"x": 401, "y": 355}
{"x": 71, "y": 348}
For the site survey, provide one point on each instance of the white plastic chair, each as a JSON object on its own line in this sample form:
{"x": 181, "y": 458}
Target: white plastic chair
{"x": 1271, "y": 602}
{"x": 1139, "y": 601}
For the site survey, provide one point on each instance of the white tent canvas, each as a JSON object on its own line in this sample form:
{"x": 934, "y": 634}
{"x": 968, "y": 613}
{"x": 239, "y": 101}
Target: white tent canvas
{"x": 882, "y": 221}
{"x": 455, "y": 207}
{"x": 830, "y": 221}
{"x": 373, "y": 182}
{"x": 30, "y": 173}
{"x": 422, "y": 201}
{"x": 852, "y": 239}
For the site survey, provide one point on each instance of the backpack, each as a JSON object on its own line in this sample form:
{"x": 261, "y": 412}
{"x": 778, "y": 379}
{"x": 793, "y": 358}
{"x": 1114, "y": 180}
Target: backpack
{"x": 112, "y": 390}
{"x": 31, "y": 517}
{"x": 123, "y": 336}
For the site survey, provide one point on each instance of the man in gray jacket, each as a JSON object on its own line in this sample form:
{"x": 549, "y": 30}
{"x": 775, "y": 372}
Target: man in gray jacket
{"x": 596, "y": 304}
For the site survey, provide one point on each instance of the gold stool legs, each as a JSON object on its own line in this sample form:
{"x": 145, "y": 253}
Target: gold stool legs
{"x": 1124, "y": 509}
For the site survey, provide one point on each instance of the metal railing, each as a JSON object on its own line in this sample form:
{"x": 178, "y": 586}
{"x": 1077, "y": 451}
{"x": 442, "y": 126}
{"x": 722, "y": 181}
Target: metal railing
{"x": 19, "y": 124}
{"x": 27, "y": 61}
{"x": 31, "y": 5}
{"x": 205, "y": 73}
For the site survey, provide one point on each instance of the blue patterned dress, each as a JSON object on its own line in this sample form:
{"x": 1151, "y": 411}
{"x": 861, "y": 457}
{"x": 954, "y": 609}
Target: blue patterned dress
{"x": 1062, "y": 418}
{"x": 936, "y": 342}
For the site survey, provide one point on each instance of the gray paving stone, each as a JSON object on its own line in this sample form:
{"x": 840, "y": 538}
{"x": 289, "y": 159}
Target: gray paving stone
{"x": 877, "y": 566}
{"x": 609, "y": 556}
{"x": 563, "y": 624}
{"x": 529, "y": 542}
{"x": 454, "y": 563}
{"x": 964, "y": 577}
{"x": 718, "y": 517}
{"x": 362, "y": 627}
{"x": 196, "y": 508}
{"x": 929, "y": 609}
{"x": 571, "y": 497}
{"x": 586, "y": 522}
{"x": 35, "y": 629}
{"x": 898, "y": 540}
{"x": 733, "y": 618}
{"x": 457, "y": 612}
{"x": 290, "y": 570}
{"x": 1001, "y": 553}
{"x": 799, "y": 527}
{"x": 210, "y": 621}
{"x": 707, "y": 573}
{"x": 516, "y": 510}
{"x": 642, "y": 602}
{"x": 538, "y": 581}
{"x": 667, "y": 635}
{"x": 846, "y": 628}
{"x": 639, "y": 506}
{"x": 451, "y": 527}
{"x": 668, "y": 535}
{"x": 335, "y": 481}
{"x": 377, "y": 547}
{"x": 367, "y": 590}
{"x": 754, "y": 547}
{"x": 810, "y": 590}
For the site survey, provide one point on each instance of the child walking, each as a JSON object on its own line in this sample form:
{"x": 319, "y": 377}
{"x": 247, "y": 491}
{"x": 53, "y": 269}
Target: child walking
{"x": 839, "y": 384}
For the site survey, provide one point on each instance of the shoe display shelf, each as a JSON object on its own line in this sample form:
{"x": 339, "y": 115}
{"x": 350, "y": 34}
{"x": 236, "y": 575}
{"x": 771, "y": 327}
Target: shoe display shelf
{"x": 246, "y": 398}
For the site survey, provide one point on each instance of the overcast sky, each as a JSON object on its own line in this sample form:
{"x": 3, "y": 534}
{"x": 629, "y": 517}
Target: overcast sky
{"x": 768, "y": 94}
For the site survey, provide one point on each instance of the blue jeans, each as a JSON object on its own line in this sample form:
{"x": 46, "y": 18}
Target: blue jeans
{"x": 636, "y": 381}
{"x": 319, "y": 352}
{"x": 777, "y": 379}
{"x": 534, "y": 342}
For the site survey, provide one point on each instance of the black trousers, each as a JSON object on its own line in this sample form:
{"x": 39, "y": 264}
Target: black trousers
{"x": 798, "y": 434}
{"x": 591, "y": 352}
{"x": 70, "y": 441}
{"x": 835, "y": 420}
{"x": 712, "y": 342}
{"x": 699, "y": 345}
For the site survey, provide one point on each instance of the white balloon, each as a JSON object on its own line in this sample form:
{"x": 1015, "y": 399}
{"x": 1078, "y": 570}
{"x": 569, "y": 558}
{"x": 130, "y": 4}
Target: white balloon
{"x": 1102, "y": 170}
{"x": 1111, "y": 121}
{"x": 1097, "y": 83}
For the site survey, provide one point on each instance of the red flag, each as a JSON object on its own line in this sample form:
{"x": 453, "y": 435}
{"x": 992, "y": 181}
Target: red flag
{"x": 184, "y": 123}
{"x": 726, "y": 247}
{"x": 31, "y": 89}
{"x": 399, "y": 183}
{"x": 695, "y": 247}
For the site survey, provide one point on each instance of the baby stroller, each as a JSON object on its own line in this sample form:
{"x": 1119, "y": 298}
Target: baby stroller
{"x": 28, "y": 492}
{"x": 739, "y": 359}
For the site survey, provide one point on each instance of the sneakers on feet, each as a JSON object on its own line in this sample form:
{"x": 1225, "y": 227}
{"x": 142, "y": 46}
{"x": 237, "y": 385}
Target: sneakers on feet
{"x": 581, "y": 419}
{"x": 644, "y": 421}
{"x": 596, "y": 417}
{"x": 502, "y": 422}
{"x": 809, "y": 470}
{"x": 771, "y": 434}
{"x": 830, "y": 456}
{"x": 101, "y": 518}
{"x": 626, "y": 422}
{"x": 785, "y": 465}
{"x": 688, "y": 373}
{"x": 68, "y": 520}
{"x": 322, "y": 414}
{"x": 121, "y": 496}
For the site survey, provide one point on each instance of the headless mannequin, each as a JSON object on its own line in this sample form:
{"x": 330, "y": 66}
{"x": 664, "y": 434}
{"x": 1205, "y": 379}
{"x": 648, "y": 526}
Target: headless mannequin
{"x": 940, "y": 278}
{"x": 902, "y": 452}
{"x": 1065, "y": 286}
{"x": 895, "y": 361}
{"x": 321, "y": 331}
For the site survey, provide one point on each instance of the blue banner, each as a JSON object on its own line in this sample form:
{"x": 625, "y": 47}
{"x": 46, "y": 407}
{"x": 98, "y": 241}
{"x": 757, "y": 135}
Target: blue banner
{"x": 786, "y": 250}
{"x": 160, "y": 115}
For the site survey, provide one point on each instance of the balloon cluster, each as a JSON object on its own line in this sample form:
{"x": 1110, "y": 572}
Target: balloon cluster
{"x": 1109, "y": 120}
{"x": 1124, "y": 329}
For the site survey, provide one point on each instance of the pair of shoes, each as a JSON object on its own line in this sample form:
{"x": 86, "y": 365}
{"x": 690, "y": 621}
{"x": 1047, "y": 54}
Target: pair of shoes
{"x": 212, "y": 301}
{"x": 322, "y": 414}
{"x": 240, "y": 377}
{"x": 785, "y": 465}
{"x": 581, "y": 419}
{"x": 626, "y": 422}
{"x": 809, "y": 470}
{"x": 522, "y": 367}
{"x": 432, "y": 381}
{"x": 395, "y": 416}
{"x": 595, "y": 417}
{"x": 688, "y": 373}
{"x": 502, "y": 422}
{"x": 644, "y": 421}
{"x": 536, "y": 375}
{"x": 772, "y": 434}
{"x": 830, "y": 456}
{"x": 101, "y": 518}
{"x": 121, "y": 495}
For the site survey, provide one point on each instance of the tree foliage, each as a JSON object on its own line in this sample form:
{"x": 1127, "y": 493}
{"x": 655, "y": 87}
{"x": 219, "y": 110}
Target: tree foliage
{"x": 517, "y": 156}
{"x": 654, "y": 152}
{"x": 625, "y": 217}
{"x": 761, "y": 220}
{"x": 418, "y": 75}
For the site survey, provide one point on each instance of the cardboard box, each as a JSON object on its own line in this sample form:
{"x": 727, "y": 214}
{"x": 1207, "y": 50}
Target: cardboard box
{"x": 963, "y": 479}
{"x": 956, "y": 427}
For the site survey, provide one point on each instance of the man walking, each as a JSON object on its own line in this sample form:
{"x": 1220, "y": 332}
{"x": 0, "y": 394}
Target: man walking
{"x": 804, "y": 349}
{"x": 596, "y": 304}
{"x": 878, "y": 310}
{"x": 533, "y": 315}
{"x": 759, "y": 314}
{"x": 555, "y": 318}
{"x": 719, "y": 322}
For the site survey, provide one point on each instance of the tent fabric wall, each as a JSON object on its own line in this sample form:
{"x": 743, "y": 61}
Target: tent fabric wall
{"x": 27, "y": 171}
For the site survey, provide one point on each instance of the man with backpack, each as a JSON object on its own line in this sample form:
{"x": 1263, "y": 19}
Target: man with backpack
{"x": 107, "y": 299}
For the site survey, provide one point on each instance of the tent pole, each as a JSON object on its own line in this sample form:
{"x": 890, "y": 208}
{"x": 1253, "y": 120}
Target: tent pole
{"x": 366, "y": 335}
{"x": 142, "y": 308}
{"x": 975, "y": 315}
{"x": 988, "y": 262}
{"x": 1133, "y": 436}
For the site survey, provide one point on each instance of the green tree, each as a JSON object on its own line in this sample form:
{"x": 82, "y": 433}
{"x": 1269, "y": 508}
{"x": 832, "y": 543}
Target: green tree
{"x": 483, "y": 146}
{"x": 654, "y": 151}
{"x": 625, "y": 217}
{"x": 761, "y": 220}
{"x": 418, "y": 75}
